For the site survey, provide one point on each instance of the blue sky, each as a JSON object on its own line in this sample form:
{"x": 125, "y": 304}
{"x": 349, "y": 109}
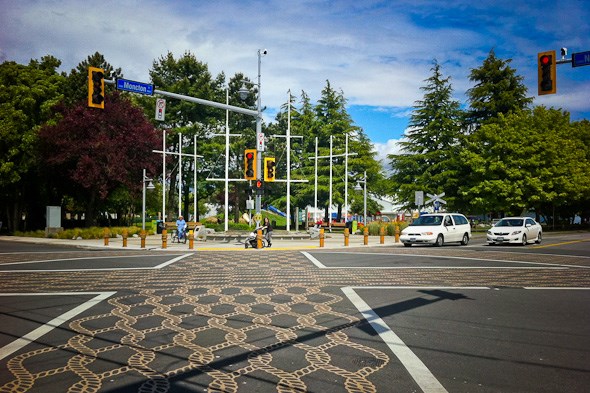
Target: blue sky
{"x": 377, "y": 52}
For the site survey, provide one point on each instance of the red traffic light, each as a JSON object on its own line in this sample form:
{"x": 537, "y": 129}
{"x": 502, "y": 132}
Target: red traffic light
{"x": 249, "y": 156}
{"x": 545, "y": 60}
{"x": 258, "y": 184}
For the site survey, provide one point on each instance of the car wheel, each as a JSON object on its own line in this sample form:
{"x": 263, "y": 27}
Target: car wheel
{"x": 440, "y": 241}
{"x": 539, "y": 238}
{"x": 245, "y": 245}
{"x": 465, "y": 240}
{"x": 524, "y": 241}
{"x": 408, "y": 244}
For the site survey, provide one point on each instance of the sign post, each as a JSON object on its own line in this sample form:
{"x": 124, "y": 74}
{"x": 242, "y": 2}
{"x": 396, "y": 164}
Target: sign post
{"x": 160, "y": 109}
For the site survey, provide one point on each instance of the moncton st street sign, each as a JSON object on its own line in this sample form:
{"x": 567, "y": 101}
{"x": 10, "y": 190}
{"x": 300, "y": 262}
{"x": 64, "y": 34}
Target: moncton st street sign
{"x": 135, "y": 87}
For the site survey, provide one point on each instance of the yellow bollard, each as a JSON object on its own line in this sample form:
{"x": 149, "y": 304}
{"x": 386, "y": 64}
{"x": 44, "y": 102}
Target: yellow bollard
{"x": 259, "y": 238}
{"x": 106, "y": 235}
{"x": 397, "y": 233}
{"x": 366, "y": 235}
{"x": 124, "y": 234}
{"x": 322, "y": 235}
{"x": 164, "y": 238}
{"x": 382, "y": 234}
{"x": 346, "y": 237}
{"x": 191, "y": 239}
{"x": 142, "y": 236}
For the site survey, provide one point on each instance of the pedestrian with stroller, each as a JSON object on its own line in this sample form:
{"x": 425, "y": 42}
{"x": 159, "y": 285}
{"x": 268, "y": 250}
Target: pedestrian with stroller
{"x": 268, "y": 234}
{"x": 180, "y": 227}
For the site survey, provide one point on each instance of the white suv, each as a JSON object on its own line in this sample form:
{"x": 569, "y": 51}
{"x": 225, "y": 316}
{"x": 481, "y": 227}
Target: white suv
{"x": 437, "y": 229}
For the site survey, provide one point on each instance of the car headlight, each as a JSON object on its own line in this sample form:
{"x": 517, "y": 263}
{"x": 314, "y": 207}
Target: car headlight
{"x": 427, "y": 233}
{"x": 489, "y": 232}
{"x": 515, "y": 233}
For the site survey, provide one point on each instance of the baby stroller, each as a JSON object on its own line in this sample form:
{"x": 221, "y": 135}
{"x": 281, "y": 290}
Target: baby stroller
{"x": 251, "y": 239}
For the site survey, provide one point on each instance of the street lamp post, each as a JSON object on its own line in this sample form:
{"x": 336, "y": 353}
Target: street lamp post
{"x": 243, "y": 94}
{"x": 150, "y": 186}
{"x": 358, "y": 188}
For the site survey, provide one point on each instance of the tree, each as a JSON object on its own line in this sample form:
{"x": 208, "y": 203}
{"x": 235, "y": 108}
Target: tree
{"x": 428, "y": 159}
{"x": 526, "y": 160}
{"x": 27, "y": 95}
{"x": 191, "y": 77}
{"x": 98, "y": 151}
{"x": 497, "y": 90}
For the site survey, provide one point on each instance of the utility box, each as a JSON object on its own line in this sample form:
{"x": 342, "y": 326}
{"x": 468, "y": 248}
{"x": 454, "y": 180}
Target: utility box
{"x": 53, "y": 220}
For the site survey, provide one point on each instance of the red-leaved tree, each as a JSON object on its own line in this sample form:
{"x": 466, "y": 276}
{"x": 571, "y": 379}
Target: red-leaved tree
{"x": 91, "y": 152}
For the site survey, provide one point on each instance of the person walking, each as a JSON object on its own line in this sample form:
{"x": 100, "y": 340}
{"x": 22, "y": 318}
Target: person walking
{"x": 268, "y": 234}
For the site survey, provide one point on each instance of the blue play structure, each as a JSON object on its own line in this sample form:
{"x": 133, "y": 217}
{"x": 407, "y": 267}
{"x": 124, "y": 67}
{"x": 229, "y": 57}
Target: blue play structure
{"x": 276, "y": 211}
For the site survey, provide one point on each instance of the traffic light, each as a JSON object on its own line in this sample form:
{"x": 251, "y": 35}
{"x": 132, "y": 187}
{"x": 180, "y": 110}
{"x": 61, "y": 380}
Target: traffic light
{"x": 259, "y": 187}
{"x": 250, "y": 164}
{"x": 546, "y": 65}
{"x": 96, "y": 87}
{"x": 269, "y": 169}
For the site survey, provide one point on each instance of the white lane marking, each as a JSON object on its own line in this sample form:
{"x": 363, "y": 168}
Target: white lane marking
{"x": 537, "y": 265}
{"x": 417, "y": 369}
{"x": 164, "y": 264}
{"x": 313, "y": 260}
{"x": 49, "y": 326}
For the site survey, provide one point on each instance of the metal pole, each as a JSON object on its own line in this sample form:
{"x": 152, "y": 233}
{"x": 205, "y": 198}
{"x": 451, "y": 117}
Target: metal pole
{"x": 195, "y": 181}
{"x": 365, "y": 217}
{"x": 143, "y": 206}
{"x": 258, "y": 132}
{"x": 315, "y": 198}
{"x": 164, "y": 175}
{"x": 330, "y": 203}
{"x": 179, "y": 174}
{"x": 289, "y": 163}
{"x": 226, "y": 160}
{"x": 346, "y": 180}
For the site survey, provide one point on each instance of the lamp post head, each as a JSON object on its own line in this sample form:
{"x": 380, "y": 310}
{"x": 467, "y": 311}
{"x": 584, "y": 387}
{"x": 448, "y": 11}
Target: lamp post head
{"x": 150, "y": 185}
{"x": 243, "y": 92}
{"x": 358, "y": 187}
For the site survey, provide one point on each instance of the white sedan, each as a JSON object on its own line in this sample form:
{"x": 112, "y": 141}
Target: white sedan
{"x": 515, "y": 230}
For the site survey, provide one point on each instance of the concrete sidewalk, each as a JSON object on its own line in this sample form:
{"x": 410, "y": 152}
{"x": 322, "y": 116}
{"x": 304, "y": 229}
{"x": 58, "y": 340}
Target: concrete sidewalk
{"x": 218, "y": 242}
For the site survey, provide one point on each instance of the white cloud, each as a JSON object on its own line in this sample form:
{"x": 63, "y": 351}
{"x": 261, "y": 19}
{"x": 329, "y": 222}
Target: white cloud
{"x": 383, "y": 149}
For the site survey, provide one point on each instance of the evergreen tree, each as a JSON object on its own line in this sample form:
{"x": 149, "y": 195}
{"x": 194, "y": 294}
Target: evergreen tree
{"x": 498, "y": 89}
{"x": 428, "y": 159}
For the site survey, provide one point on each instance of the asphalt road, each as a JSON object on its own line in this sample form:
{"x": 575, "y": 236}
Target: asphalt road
{"x": 422, "y": 319}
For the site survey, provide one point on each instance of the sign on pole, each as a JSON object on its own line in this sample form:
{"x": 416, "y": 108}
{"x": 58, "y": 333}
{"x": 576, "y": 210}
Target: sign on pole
{"x": 580, "y": 59}
{"x": 135, "y": 87}
{"x": 260, "y": 141}
{"x": 160, "y": 109}
{"x": 419, "y": 198}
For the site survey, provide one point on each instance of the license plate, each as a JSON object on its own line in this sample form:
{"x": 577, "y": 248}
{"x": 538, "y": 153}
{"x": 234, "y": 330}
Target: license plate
{"x": 412, "y": 239}
{"x": 500, "y": 239}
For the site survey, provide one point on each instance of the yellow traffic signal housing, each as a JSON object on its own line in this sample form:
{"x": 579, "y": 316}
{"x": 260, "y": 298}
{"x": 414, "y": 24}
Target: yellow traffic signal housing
{"x": 250, "y": 164}
{"x": 546, "y": 65}
{"x": 269, "y": 169}
{"x": 96, "y": 87}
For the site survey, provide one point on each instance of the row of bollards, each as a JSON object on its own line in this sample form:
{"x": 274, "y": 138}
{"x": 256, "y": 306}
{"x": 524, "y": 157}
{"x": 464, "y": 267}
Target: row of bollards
{"x": 259, "y": 237}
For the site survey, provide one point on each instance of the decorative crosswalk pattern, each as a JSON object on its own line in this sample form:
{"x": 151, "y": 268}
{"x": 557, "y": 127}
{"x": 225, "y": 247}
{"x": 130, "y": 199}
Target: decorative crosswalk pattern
{"x": 220, "y": 337}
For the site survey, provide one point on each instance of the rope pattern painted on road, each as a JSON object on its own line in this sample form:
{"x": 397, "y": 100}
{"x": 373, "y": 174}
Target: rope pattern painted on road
{"x": 220, "y": 337}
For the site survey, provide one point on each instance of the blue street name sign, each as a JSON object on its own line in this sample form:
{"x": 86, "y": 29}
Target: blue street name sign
{"x": 135, "y": 87}
{"x": 580, "y": 59}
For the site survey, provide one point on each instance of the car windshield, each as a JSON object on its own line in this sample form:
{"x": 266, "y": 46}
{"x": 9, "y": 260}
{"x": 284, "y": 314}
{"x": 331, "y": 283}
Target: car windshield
{"x": 510, "y": 222}
{"x": 427, "y": 221}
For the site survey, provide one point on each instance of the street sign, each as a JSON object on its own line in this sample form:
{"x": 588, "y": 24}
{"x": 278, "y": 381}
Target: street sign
{"x": 435, "y": 198}
{"x": 160, "y": 109}
{"x": 260, "y": 141}
{"x": 419, "y": 198}
{"x": 581, "y": 59}
{"x": 135, "y": 87}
